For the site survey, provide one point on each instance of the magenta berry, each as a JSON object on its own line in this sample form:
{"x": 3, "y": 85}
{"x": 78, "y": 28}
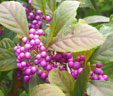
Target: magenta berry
{"x": 40, "y": 32}
{"x": 39, "y": 12}
{"x": 76, "y": 65}
{"x": 24, "y": 39}
{"x": 32, "y": 31}
{"x": 26, "y": 78}
{"x": 98, "y": 65}
{"x": 27, "y": 55}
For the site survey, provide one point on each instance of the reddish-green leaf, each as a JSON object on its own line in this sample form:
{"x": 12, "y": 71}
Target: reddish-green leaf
{"x": 104, "y": 54}
{"x": 96, "y": 19}
{"x": 13, "y": 17}
{"x": 100, "y": 88}
{"x": 80, "y": 37}
{"x": 81, "y": 84}
{"x": 46, "y": 90}
{"x": 62, "y": 18}
{"x": 62, "y": 79}
{"x": 7, "y": 60}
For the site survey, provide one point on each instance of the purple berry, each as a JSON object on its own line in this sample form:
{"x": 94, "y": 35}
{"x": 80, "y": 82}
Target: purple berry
{"x": 43, "y": 54}
{"x": 105, "y": 77}
{"x": 39, "y": 12}
{"x": 23, "y": 64}
{"x": 24, "y": 39}
{"x": 32, "y": 42}
{"x": 27, "y": 46}
{"x": 31, "y": 36}
{"x": 26, "y": 78}
{"x": 49, "y": 67}
{"x": 48, "y": 18}
{"x": 94, "y": 77}
{"x": 82, "y": 58}
{"x": 37, "y": 17}
{"x": 44, "y": 76}
{"x": 38, "y": 56}
{"x": 70, "y": 64}
{"x": 78, "y": 59}
{"x": 32, "y": 31}
{"x": 61, "y": 68}
{"x": 33, "y": 70}
{"x": 42, "y": 48}
{"x": 98, "y": 65}
{"x": 76, "y": 65}
{"x": 22, "y": 55}
{"x": 80, "y": 70}
{"x": 37, "y": 41}
{"x": 22, "y": 49}
{"x": 47, "y": 58}
{"x": 27, "y": 55}
{"x": 40, "y": 32}
{"x": 43, "y": 63}
{"x": 69, "y": 55}
{"x": 28, "y": 71}
{"x": 39, "y": 72}
{"x": 36, "y": 62}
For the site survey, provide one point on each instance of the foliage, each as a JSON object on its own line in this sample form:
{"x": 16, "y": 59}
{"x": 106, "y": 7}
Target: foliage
{"x": 65, "y": 34}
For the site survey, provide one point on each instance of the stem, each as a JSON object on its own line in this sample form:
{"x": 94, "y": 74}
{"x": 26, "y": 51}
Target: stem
{"x": 16, "y": 84}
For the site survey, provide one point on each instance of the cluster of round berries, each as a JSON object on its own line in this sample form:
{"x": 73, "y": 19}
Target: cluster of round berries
{"x": 35, "y": 17}
{"x": 98, "y": 73}
{"x": 32, "y": 57}
{"x": 77, "y": 67}
{"x": 27, "y": 61}
{"x": 1, "y": 31}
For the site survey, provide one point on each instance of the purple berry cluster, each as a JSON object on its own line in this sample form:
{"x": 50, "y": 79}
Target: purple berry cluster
{"x": 27, "y": 61}
{"x": 35, "y": 17}
{"x": 98, "y": 73}
{"x": 32, "y": 57}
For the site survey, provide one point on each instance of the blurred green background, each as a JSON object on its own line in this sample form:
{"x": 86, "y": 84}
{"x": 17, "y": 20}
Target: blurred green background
{"x": 101, "y": 7}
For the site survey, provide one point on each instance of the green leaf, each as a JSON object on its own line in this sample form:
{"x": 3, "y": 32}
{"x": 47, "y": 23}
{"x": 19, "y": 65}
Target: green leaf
{"x": 100, "y": 88}
{"x": 87, "y": 3}
{"x": 108, "y": 70}
{"x": 3, "y": 75}
{"x": 52, "y": 4}
{"x": 111, "y": 18}
{"x": 7, "y": 34}
{"x": 46, "y": 90}
{"x": 5, "y": 44}
{"x": 104, "y": 54}
{"x": 23, "y": 94}
{"x": 96, "y": 19}
{"x": 62, "y": 17}
{"x": 62, "y": 79}
{"x": 42, "y": 5}
{"x": 13, "y": 17}
{"x": 106, "y": 30}
{"x": 1, "y": 93}
{"x": 7, "y": 60}
{"x": 81, "y": 84}
{"x": 34, "y": 4}
{"x": 35, "y": 80}
{"x": 87, "y": 54}
{"x": 79, "y": 37}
